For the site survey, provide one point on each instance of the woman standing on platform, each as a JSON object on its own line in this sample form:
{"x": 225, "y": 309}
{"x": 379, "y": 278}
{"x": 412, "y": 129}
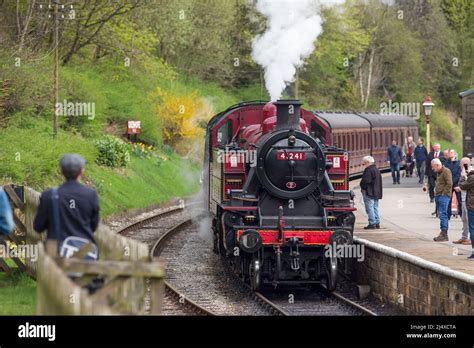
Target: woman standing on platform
{"x": 467, "y": 184}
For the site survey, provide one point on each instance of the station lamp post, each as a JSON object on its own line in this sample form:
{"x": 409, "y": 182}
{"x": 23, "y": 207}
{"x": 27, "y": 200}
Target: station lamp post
{"x": 427, "y": 109}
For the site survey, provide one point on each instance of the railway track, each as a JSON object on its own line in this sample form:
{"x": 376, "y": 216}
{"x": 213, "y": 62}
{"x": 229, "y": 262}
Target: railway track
{"x": 158, "y": 227}
{"x": 201, "y": 283}
{"x": 315, "y": 301}
{"x": 198, "y": 277}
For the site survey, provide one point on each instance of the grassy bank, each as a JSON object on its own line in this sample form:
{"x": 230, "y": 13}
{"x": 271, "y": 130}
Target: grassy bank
{"x": 29, "y": 155}
{"x": 17, "y": 293}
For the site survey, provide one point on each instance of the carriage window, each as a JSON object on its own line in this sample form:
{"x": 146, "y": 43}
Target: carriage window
{"x": 375, "y": 141}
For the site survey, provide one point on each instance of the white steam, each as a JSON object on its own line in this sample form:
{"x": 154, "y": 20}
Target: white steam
{"x": 293, "y": 26}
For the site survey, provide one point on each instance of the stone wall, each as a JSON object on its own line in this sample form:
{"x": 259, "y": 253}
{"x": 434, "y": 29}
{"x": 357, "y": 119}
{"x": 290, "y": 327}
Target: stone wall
{"x": 416, "y": 286}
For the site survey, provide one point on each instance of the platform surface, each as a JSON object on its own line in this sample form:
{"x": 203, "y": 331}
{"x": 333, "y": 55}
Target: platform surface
{"x": 407, "y": 225}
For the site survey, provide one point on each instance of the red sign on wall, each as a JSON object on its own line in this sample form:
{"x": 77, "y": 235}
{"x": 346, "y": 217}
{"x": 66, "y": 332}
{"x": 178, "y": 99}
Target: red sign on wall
{"x": 134, "y": 127}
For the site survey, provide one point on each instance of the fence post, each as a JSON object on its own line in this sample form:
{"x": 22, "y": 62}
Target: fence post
{"x": 157, "y": 293}
{"x": 32, "y": 237}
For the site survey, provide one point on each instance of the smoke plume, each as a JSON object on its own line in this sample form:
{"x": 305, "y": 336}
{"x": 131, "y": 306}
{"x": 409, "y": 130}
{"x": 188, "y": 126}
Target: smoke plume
{"x": 293, "y": 26}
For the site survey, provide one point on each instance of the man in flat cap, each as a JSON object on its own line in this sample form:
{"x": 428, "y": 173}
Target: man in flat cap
{"x": 70, "y": 212}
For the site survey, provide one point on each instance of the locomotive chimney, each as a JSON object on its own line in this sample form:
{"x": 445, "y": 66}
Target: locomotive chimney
{"x": 288, "y": 114}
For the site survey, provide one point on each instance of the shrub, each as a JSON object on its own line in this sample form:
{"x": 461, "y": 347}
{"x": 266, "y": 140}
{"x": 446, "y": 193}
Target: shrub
{"x": 142, "y": 150}
{"x": 113, "y": 152}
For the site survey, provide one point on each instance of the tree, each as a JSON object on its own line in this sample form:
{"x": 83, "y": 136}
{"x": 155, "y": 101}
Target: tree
{"x": 91, "y": 19}
{"x": 327, "y": 78}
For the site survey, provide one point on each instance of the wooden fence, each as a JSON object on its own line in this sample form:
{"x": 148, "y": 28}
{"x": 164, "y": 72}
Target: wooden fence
{"x": 24, "y": 211}
{"x": 133, "y": 282}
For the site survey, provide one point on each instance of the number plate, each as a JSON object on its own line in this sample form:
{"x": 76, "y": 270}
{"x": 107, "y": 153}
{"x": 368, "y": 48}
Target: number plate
{"x": 290, "y": 155}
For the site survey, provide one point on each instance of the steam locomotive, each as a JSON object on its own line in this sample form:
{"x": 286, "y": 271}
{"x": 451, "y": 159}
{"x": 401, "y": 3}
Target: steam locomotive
{"x": 278, "y": 194}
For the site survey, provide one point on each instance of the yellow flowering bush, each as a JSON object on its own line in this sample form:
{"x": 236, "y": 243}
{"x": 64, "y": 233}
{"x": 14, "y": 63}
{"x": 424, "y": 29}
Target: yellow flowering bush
{"x": 179, "y": 115}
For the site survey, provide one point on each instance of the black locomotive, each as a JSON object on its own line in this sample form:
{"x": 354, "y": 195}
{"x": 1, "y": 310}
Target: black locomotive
{"x": 277, "y": 216}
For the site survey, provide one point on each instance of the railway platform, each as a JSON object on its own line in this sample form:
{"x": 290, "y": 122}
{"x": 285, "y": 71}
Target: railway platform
{"x": 403, "y": 265}
{"x": 407, "y": 224}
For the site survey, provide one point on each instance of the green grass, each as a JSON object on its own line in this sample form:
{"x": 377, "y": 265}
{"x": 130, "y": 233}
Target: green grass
{"x": 144, "y": 182}
{"x": 17, "y": 293}
{"x": 29, "y": 155}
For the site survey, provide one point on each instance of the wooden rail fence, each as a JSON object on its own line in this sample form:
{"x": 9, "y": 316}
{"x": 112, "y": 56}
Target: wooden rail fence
{"x": 132, "y": 281}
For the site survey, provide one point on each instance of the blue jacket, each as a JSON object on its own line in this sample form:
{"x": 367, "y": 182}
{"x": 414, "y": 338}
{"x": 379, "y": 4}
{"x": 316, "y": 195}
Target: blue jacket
{"x": 455, "y": 168}
{"x": 6, "y": 217}
{"x": 420, "y": 153}
{"x": 394, "y": 154}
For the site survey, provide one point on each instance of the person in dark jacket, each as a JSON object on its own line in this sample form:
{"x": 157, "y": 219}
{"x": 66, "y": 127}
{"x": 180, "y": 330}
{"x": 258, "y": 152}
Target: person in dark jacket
{"x": 466, "y": 183}
{"x": 464, "y": 240}
{"x": 394, "y": 158}
{"x": 78, "y": 205}
{"x": 455, "y": 167}
{"x": 435, "y": 153}
{"x": 6, "y": 215}
{"x": 420, "y": 156}
{"x": 371, "y": 186}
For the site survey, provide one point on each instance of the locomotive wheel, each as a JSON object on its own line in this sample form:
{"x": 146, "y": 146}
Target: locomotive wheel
{"x": 332, "y": 270}
{"x": 220, "y": 237}
{"x": 254, "y": 275}
{"x": 220, "y": 243}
